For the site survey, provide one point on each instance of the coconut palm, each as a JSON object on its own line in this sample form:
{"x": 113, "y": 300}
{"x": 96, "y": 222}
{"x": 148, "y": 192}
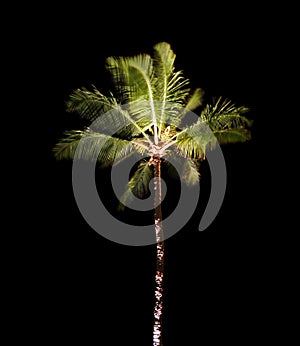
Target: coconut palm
{"x": 152, "y": 99}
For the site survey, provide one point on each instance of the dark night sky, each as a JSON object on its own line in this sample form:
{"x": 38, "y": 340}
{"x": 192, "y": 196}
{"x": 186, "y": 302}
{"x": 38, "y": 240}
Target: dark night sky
{"x": 87, "y": 286}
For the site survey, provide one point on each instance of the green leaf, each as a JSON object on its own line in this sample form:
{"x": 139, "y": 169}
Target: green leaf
{"x": 195, "y": 99}
{"x": 195, "y": 139}
{"x": 232, "y": 135}
{"x": 164, "y": 58}
{"x": 90, "y": 104}
{"x": 65, "y": 148}
{"x": 135, "y": 80}
{"x": 223, "y": 113}
{"x": 132, "y": 76}
{"x": 138, "y": 184}
{"x": 112, "y": 149}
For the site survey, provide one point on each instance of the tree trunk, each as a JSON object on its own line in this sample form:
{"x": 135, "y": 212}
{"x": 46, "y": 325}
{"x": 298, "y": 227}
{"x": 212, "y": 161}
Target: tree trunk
{"x": 157, "y": 327}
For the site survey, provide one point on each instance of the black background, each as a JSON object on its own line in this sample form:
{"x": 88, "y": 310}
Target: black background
{"x": 79, "y": 286}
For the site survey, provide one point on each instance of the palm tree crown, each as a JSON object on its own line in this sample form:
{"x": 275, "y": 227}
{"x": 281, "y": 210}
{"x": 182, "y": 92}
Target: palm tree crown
{"x": 155, "y": 99}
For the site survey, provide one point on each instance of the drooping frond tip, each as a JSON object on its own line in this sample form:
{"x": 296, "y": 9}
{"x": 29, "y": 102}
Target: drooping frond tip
{"x": 164, "y": 57}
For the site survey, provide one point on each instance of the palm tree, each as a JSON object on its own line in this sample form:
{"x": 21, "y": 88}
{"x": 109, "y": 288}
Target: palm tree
{"x": 152, "y": 99}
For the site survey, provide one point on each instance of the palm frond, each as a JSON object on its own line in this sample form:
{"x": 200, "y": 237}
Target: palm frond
{"x": 177, "y": 93}
{"x": 195, "y": 99}
{"x": 90, "y": 104}
{"x": 223, "y": 113}
{"x": 131, "y": 76}
{"x": 93, "y": 105}
{"x": 171, "y": 86}
{"x": 232, "y": 135}
{"x": 122, "y": 124}
{"x": 66, "y": 147}
{"x": 178, "y": 88}
{"x": 191, "y": 146}
{"x": 138, "y": 184}
{"x": 119, "y": 76}
{"x": 195, "y": 139}
{"x": 113, "y": 150}
{"x": 164, "y": 58}
{"x": 175, "y": 113}
{"x": 140, "y": 112}
{"x": 134, "y": 77}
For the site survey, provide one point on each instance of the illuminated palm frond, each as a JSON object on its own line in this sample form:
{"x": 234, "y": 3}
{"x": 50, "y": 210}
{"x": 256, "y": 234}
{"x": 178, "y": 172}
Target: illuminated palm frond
{"x": 112, "y": 149}
{"x": 193, "y": 141}
{"x": 138, "y": 184}
{"x": 66, "y": 147}
{"x": 90, "y": 104}
{"x": 232, "y": 135}
{"x": 132, "y": 77}
{"x": 223, "y": 113}
{"x": 195, "y": 99}
{"x": 170, "y": 86}
{"x": 134, "y": 80}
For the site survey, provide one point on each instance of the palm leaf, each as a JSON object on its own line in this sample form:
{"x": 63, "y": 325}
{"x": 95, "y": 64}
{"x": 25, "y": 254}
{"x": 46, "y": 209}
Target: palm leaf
{"x": 93, "y": 105}
{"x": 195, "y": 139}
{"x": 170, "y": 87}
{"x": 177, "y": 88}
{"x": 195, "y": 99}
{"x": 113, "y": 150}
{"x": 138, "y": 184}
{"x": 176, "y": 114}
{"x": 131, "y": 76}
{"x": 191, "y": 146}
{"x": 90, "y": 104}
{"x": 66, "y": 147}
{"x": 140, "y": 112}
{"x": 164, "y": 59}
{"x": 223, "y": 113}
{"x": 135, "y": 80}
{"x": 235, "y": 135}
